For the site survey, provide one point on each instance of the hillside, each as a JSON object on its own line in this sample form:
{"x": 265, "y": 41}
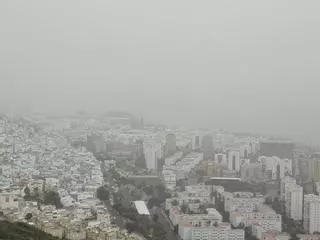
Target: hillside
{"x": 21, "y": 231}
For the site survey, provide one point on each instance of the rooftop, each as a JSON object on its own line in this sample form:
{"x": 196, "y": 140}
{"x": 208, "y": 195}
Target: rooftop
{"x": 141, "y": 208}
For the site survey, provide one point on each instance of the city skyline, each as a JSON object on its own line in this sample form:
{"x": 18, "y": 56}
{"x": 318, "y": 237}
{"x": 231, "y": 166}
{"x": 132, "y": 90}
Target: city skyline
{"x": 159, "y": 120}
{"x": 198, "y": 65}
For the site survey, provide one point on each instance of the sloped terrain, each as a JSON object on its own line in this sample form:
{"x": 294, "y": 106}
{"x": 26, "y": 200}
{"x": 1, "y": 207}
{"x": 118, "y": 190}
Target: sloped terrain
{"x": 22, "y": 231}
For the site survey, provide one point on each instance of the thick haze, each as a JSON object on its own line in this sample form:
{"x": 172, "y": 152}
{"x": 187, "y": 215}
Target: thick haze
{"x": 240, "y": 65}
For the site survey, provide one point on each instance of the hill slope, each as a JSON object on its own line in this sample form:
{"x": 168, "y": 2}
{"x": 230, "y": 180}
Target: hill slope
{"x": 22, "y": 231}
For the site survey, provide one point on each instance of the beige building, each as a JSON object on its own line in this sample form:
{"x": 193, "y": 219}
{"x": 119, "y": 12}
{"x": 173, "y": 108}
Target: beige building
{"x": 8, "y": 201}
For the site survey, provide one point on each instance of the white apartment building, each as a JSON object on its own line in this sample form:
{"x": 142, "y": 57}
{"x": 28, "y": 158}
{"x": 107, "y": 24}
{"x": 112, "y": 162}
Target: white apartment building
{"x": 285, "y": 167}
{"x": 268, "y": 221}
{"x": 211, "y": 218}
{"x": 294, "y": 202}
{"x": 195, "y": 142}
{"x": 245, "y": 149}
{"x": 8, "y": 201}
{"x": 195, "y": 196}
{"x": 308, "y": 236}
{"x": 221, "y": 231}
{"x": 278, "y": 167}
{"x": 233, "y": 158}
{"x": 285, "y": 182}
{"x": 152, "y": 152}
{"x": 263, "y": 234}
{"x": 232, "y": 203}
{"x": 202, "y": 192}
{"x": 311, "y": 213}
{"x": 170, "y": 179}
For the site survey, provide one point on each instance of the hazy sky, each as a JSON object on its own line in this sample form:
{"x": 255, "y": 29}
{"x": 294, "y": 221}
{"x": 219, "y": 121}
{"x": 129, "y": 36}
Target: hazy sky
{"x": 240, "y": 65}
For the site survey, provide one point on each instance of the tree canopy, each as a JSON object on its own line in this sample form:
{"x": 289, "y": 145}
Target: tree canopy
{"x": 27, "y": 192}
{"x": 103, "y": 194}
{"x": 53, "y": 198}
{"x": 22, "y": 231}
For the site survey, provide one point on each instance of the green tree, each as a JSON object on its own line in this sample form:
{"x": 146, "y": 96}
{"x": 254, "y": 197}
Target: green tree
{"x": 153, "y": 202}
{"x": 241, "y": 226}
{"x": 155, "y": 218}
{"x": 141, "y": 162}
{"x": 28, "y": 216}
{"x": 161, "y": 193}
{"x": 202, "y": 208}
{"x": 64, "y": 235}
{"x": 184, "y": 208}
{"x": 94, "y": 213}
{"x": 103, "y": 194}
{"x": 148, "y": 190}
{"x": 53, "y": 198}
{"x": 27, "y": 192}
{"x": 181, "y": 184}
{"x": 158, "y": 232}
{"x": 36, "y": 193}
{"x": 175, "y": 202}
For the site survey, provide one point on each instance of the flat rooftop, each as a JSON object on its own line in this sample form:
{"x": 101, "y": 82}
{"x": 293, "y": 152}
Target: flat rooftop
{"x": 141, "y": 208}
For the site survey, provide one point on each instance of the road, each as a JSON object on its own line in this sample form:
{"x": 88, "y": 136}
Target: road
{"x": 167, "y": 224}
{"x": 116, "y": 219}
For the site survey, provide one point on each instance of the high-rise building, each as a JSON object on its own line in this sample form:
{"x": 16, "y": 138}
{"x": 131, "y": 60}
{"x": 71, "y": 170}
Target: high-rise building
{"x": 314, "y": 167}
{"x": 294, "y": 201}
{"x": 171, "y": 144}
{"x": 285, "y": 183}
{"x": 311, "y": 213}
{"x": 278, "y": 168}
{"x": 207, "y": 147}
{"x": 281, "y": 149}
{"x": 196, "y": 143}
{"x": 233, "y": 157}
{"x": 153, "y": 154}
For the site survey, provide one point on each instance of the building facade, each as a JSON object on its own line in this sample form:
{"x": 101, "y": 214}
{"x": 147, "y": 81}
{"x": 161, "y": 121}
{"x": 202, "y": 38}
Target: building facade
{"x": 209, "y": 231}
{"x": 207, "y": 147}
{"x": 294, "y": 202}
{"x": 311, "y": 213}
{"x": 171, "y": 144}
{"x": 314, "y": 167}
{"x": 233, "y": 157}
{"x": 152, "y": 153}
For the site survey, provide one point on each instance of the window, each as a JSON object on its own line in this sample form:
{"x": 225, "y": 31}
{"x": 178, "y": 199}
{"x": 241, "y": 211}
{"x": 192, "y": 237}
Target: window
{"x": 7, "y": 199}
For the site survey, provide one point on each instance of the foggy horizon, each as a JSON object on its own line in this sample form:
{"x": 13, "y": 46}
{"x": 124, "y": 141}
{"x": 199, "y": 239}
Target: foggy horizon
{"x": 243, "y": 66}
